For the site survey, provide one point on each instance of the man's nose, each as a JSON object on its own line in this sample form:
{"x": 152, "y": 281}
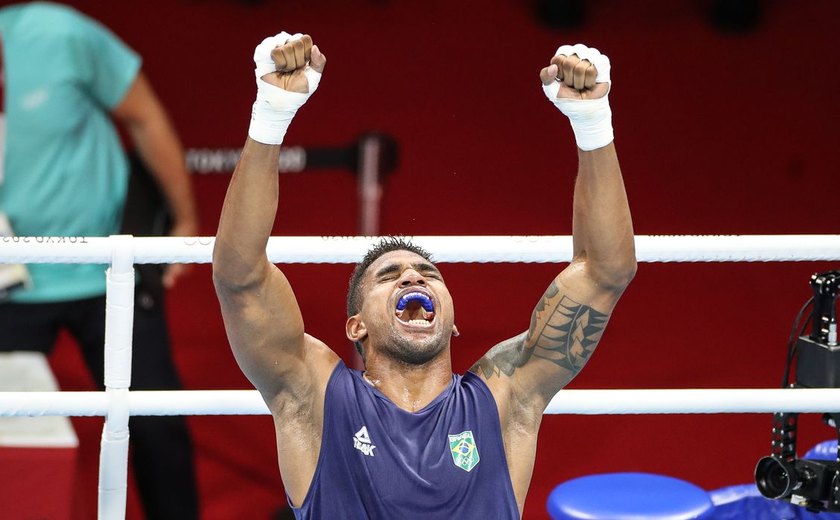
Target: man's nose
{"x": 412, "y": 277}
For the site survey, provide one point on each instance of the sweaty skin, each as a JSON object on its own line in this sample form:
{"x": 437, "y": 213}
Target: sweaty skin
{"x": 411, "y": 363}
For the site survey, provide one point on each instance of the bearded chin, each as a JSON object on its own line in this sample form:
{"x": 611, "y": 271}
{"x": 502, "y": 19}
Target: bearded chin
{"x": 415, "y": 352}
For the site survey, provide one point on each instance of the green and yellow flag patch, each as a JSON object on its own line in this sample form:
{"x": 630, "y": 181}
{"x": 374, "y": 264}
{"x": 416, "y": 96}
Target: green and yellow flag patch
{"x": 464, "y": 451}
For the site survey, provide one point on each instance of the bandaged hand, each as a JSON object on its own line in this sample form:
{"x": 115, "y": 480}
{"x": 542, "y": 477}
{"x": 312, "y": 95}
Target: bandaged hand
{"x": 577, "y": 81}
{"x": 288, "y": 70}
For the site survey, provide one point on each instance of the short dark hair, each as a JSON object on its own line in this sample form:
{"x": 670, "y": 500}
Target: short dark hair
{"x": 384, "y": 246}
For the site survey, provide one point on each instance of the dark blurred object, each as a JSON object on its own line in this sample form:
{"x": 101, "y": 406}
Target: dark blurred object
{"x": 371, "y": 158}
{"x": 736, "y": 16}
{"x": 145, "y": 213}
{"x": 561, "y": 14}
{"x": 285, "y": 513}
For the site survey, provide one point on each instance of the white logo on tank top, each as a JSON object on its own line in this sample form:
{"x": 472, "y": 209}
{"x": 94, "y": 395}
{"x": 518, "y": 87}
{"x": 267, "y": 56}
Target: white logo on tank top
{"x": 362, "y": 442}
{"x": 35, "y": 99}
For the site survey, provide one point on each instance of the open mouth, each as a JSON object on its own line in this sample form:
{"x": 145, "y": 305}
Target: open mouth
{"x": 415, "y": 308}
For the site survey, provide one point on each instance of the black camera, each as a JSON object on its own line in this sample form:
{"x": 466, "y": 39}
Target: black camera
{"x": 813, "y": 484}
{"x": 812, "y": 480}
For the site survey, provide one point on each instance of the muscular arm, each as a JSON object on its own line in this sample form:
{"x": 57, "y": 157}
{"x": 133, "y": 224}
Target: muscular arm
{"x": 263, "y": 321}
{"x": 261, "y": 314}
{"x": 526, "y": 371}
{"x": 158, "y": 145}
{"x": 569, "y": 319}
{"x": 262, "y": 318}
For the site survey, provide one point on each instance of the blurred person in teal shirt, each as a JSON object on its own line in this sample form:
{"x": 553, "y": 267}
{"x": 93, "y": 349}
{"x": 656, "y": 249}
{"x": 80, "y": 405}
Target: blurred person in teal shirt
{"x": 67, "y": 79}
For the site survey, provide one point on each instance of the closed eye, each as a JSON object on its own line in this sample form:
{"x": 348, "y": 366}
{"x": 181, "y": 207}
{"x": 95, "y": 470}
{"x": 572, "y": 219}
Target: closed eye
{"x": 428, "y": 270}
{"x": 393, "y": 271}
{"x": 389, "y": 272}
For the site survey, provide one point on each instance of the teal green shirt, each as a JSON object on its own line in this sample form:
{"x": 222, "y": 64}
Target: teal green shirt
{"x": 65, "y": 171}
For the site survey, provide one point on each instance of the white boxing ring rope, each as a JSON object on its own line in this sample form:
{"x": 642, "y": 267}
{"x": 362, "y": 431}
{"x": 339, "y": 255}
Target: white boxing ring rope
{"x": 580, "y": 402}
{"x": 117, "y": 403}
{"x": 446, "y": 249}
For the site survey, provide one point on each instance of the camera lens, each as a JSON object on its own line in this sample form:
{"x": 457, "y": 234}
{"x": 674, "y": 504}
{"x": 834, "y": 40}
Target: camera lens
{"x": 775, "y": 478}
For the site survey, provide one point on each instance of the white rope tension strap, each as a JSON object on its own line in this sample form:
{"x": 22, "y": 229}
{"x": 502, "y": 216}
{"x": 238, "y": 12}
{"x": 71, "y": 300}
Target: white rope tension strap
{"x": 474, "y": 249}
{"x": 581, "y": 402}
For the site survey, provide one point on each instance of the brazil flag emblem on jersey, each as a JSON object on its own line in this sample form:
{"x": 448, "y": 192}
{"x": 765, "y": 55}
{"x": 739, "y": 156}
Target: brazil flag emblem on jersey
{"x": 464, "y": 451}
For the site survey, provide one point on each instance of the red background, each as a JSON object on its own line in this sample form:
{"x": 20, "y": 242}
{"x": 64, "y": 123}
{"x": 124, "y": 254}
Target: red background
{"x": 717, "y": 134}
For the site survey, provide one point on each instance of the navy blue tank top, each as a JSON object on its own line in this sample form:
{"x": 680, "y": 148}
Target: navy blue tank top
{"x": 381, "y": 462}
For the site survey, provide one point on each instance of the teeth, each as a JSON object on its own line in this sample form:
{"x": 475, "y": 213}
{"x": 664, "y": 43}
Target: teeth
{"x": 418, "y": 322}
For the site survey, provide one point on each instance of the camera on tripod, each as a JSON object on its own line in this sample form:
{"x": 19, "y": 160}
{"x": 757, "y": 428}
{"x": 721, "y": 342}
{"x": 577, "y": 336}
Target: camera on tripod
{"x": 814, "y": 484}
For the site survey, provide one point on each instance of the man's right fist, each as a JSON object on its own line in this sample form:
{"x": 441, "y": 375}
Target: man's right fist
{"x": 288, "y": 68}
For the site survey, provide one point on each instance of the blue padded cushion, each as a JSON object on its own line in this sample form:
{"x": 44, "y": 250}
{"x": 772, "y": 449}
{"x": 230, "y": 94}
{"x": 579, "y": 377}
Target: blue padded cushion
{"x": 826, "y": 450}
{"x": 628, "y": 496}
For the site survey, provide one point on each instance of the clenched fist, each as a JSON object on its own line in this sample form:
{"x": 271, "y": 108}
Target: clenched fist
{"x": 288, "y": 70}
{"x": 577, "y": 81}
{"x": 579, "y": 72}
{"x": 290, "y": 61}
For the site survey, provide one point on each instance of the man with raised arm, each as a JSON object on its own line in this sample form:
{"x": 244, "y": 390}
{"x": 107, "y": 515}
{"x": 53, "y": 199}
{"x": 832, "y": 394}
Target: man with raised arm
{"x": 407, "y": 438}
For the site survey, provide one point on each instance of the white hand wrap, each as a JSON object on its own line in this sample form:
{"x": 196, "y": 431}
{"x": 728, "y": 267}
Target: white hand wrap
{"x": 275, "y": 107}
{"x": 591, "y": 119}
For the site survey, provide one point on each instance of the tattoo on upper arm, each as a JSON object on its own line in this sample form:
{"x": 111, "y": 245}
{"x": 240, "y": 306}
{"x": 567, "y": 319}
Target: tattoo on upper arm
{"x": 562, "y": 331}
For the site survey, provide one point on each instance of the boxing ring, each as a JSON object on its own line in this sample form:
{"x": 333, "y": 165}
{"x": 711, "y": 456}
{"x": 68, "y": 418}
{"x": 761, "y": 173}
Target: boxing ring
{"x": 117, "y": 402}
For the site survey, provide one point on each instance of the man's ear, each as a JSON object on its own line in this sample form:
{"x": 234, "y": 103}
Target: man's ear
{"x": 455, "y": 332}
{"x": 355, "y": 329}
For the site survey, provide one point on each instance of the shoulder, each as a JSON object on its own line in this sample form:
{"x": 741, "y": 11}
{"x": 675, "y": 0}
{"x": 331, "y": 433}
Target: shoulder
{"x": 40, "y": 19}
{"x": 63, "y": 37}
{"x": 306, "y": 388}
{"x": 484, "y": 395}
{"x": 340, "y": 376}
{"x": 56, "y": 22}
{"x": 475, "y": 383}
